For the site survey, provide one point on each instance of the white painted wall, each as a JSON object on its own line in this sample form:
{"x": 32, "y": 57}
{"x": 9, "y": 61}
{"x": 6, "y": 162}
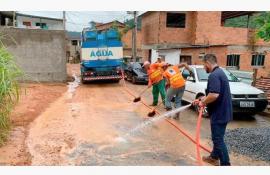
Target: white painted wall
{"x": 52, "y": 24}
{"x": 172, "y": 56}
{"x": 154, "y": 55}
{"x": 117, "y": 53}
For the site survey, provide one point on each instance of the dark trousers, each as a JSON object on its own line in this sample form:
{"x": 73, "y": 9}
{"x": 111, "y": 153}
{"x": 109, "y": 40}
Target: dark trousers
{"x": 219, "y": 150}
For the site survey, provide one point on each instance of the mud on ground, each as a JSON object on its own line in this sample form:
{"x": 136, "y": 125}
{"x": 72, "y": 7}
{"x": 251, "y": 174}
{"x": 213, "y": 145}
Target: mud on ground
{"x": 34, "y": 99}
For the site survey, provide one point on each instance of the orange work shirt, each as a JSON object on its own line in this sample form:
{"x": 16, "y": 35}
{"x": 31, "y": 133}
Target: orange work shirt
{"x": 155, "y": 73}
{"x": 174, "y": 76}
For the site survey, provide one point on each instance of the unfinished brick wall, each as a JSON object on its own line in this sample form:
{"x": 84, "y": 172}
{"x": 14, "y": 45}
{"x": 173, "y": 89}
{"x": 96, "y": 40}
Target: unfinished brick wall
{"x": 106, "y": 26}
{"x": 127, "y": 43}
{"x": 176, "y": 35}
{"x": 210, "y": 32}
{"x": 145, "y": 54}
{"x": 127, "y": 39}
{"x": 154, "y": 29}
{"x": 150, "y": 28}
{"x": 222, "y": 52}
{"x": 202, "y": 28}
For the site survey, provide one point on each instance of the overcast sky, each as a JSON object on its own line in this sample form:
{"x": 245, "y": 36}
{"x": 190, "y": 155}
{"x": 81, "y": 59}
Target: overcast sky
{"x": 77, "y": 20}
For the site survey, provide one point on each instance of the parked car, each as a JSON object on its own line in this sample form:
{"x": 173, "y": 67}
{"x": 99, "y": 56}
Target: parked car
{"x": 245, "y": 98}
{"x": 135, "y": 73}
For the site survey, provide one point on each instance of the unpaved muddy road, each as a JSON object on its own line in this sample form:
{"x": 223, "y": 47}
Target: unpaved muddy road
{"x": 82, "y": 126}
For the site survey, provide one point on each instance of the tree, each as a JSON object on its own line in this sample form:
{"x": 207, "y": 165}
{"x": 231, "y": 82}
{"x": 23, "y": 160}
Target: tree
{"x": 263, "y": 22}
{"x": 120, "y": 32}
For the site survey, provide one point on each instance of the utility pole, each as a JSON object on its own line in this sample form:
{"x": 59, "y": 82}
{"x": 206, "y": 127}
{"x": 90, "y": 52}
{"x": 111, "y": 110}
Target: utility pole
{"x": 64, "y": 20}
{"x": 14, "y": 18}
{"x": 65, "y": 34}
{"x": 134, "y": 35}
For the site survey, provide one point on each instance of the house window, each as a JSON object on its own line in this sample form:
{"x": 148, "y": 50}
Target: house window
{"x": 42, "y": 25}
{"x": 185, "y": 59}
{"x": 176, "y": 20}
{"x": 257, "y": 60}
{"x": 74, "y": 42}
{"x": 233, "y": 61}
{"x": 26, "y": 23}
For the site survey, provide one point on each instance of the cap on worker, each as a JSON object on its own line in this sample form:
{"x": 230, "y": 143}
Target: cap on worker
{"x": 146, "y": 63}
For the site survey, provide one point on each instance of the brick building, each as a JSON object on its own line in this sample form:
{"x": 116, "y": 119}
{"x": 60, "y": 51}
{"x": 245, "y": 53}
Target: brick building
{"x": 187, "y": 36}
{"x": 126, "y": 38}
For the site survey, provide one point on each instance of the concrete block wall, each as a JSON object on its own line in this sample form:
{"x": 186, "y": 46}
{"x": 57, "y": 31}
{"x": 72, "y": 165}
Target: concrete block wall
{"x": 41, "y": 54}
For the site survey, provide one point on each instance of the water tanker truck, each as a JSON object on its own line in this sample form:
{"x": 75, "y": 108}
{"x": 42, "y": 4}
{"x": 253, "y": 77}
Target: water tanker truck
{"x": 101, "y": 55}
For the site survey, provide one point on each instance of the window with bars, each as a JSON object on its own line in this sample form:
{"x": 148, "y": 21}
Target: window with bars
{"x": 257, "y": 60}
{"x": 233, "y": 61}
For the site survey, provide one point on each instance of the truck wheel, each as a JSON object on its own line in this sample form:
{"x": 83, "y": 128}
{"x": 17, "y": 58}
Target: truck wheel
{"x": 115, "y": 81}
{"x": 83, "y": 81}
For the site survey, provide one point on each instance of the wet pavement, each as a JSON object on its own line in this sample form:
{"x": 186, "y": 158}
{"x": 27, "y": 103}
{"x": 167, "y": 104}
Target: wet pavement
{"x": 84, "y": 125}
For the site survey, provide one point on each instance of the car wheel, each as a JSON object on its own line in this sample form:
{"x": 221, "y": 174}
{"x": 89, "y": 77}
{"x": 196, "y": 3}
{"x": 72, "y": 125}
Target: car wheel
{"x": 128, "y": 77}
{"x": 133, "y": 80}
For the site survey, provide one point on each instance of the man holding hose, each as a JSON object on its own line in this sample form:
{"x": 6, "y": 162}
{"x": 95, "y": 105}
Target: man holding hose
{"x": 219, "y": 105}
{"x": 156, "y": 80}
{"x": 176, "y": 84}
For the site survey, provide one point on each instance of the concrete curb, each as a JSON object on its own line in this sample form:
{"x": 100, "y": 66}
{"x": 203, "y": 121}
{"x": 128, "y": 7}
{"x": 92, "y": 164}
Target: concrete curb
{"x": 265, "y": 113}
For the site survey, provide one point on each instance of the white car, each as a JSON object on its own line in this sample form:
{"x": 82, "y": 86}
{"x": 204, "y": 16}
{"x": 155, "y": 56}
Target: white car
{"x": 245, "y": 98}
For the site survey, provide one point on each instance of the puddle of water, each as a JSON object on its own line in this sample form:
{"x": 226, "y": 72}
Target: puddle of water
{"x": 150, "y": 122}
{"x": 121, "y": 140}
{"x": 73, "y": 85}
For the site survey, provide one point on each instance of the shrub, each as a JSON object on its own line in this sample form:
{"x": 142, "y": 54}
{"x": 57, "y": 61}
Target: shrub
{"x": 9, "y": 90}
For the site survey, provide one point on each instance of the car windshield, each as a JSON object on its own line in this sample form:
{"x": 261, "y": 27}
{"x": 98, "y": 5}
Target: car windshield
{"x": 136, "y": 66}
{"x": 203, "y": 76}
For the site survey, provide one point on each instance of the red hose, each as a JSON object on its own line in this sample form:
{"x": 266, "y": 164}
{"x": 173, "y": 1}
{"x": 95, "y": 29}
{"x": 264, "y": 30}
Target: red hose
{"x": 181, "y": 130}
{"x": 198, "y": 129}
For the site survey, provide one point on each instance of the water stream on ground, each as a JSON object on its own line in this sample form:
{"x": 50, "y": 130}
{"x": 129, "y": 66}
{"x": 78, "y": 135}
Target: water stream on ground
{"x": 150, "y": 122}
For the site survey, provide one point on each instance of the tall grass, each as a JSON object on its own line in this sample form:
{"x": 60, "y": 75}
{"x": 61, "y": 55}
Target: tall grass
{"x": 9, "y": 90}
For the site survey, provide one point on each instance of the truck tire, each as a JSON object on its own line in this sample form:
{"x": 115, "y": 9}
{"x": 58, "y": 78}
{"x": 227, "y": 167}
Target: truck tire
{"x": 83, "y": 81}
{"x": 115, "y": 81}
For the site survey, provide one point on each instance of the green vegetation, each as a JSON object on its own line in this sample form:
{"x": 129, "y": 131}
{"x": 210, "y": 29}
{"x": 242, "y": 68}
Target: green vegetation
{"x": 120, "y": 32}
{"x": 9, "y": 90}
{"x": 259, "y": 21}
{"x": 130, "y": 23}
{"x": 263, "y": 23}
{"x": 242, "y": 22}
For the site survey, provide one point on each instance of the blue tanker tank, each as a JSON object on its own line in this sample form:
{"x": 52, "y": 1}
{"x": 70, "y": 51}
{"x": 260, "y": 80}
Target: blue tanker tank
{"x": 101, "y": 55}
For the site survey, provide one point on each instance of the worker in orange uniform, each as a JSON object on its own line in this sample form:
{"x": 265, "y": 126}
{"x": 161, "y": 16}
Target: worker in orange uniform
{"x": 176, "y": 84}
{"x": 156, "y": 80}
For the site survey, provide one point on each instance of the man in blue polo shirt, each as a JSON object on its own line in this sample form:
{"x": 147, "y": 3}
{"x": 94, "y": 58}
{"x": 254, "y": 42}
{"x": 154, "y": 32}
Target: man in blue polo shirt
{"x": 219, "y": 104}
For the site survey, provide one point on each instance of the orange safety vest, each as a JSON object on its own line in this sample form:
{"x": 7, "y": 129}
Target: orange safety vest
{"x": 155, "y": 72}
{"x": 174, "y": 76}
